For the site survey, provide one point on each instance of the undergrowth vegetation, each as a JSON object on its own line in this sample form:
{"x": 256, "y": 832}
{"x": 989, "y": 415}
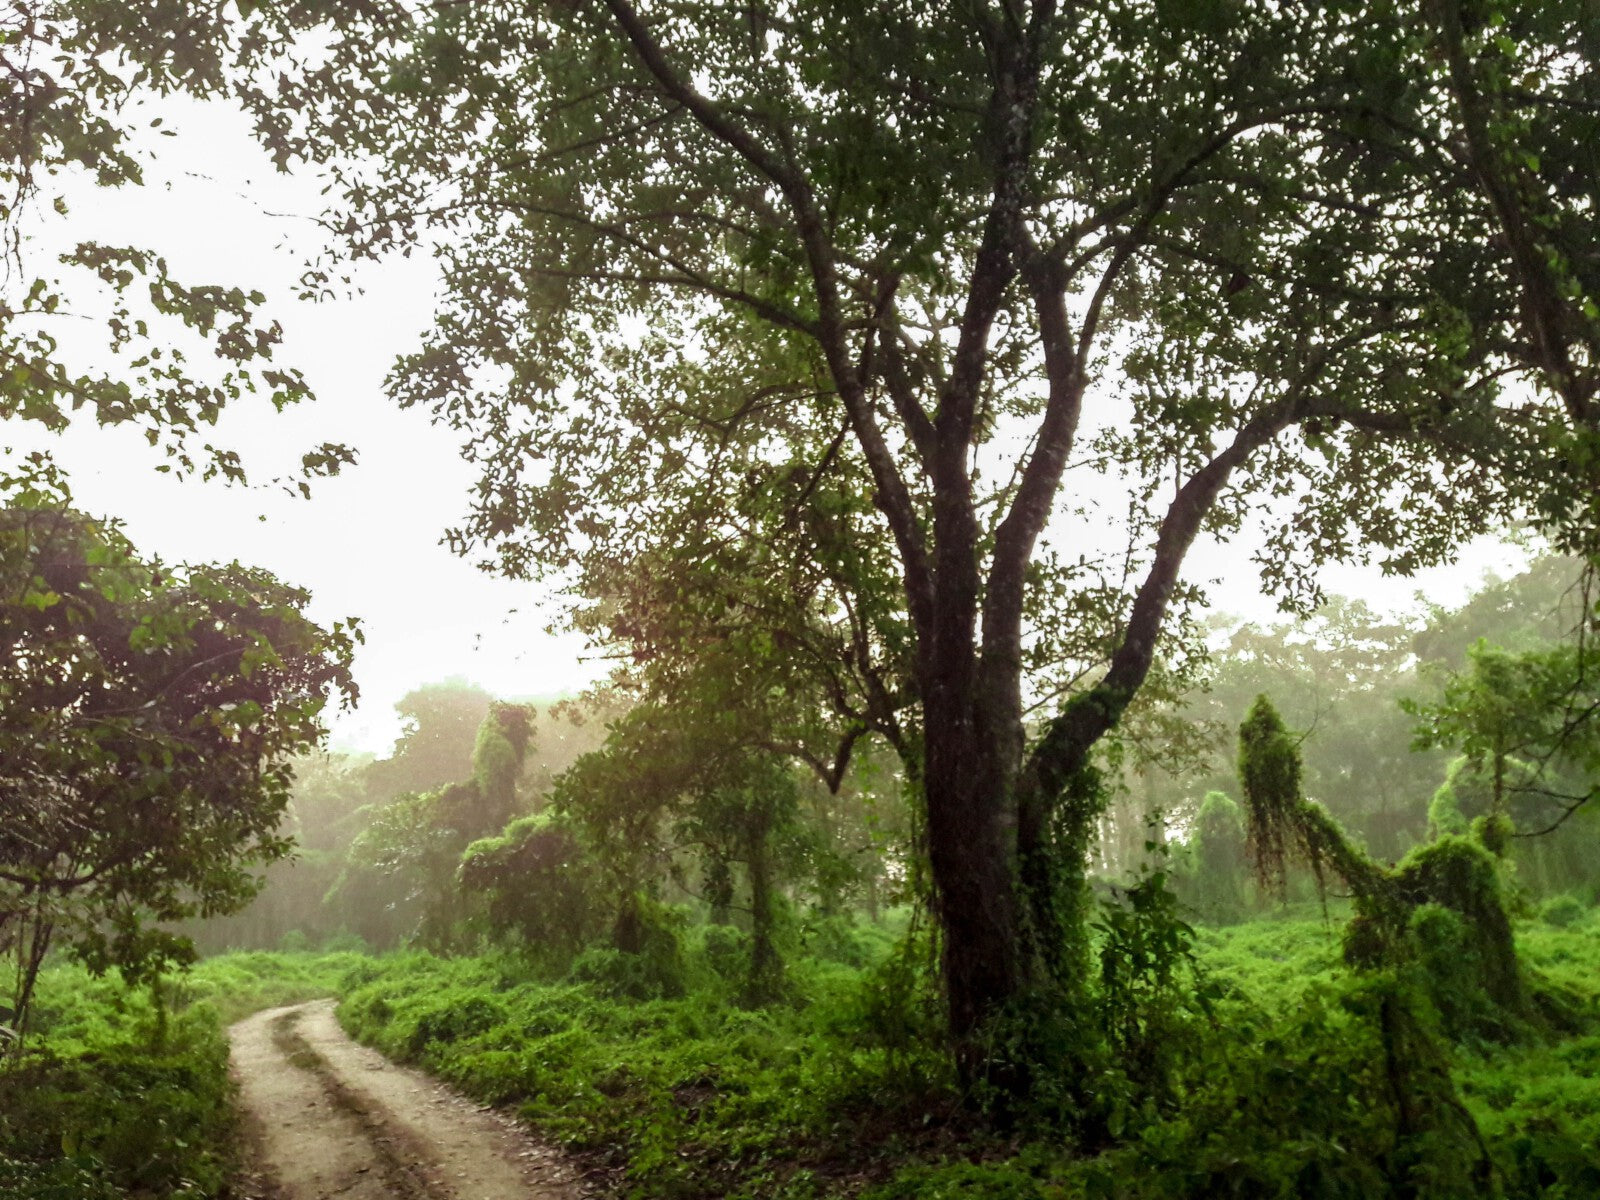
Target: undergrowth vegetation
{"x": 122, "y": 1091}
{"x": 843, "y": 1090}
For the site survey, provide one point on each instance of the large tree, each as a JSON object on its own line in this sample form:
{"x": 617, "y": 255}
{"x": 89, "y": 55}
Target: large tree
{"x": 1148, "y": 264}
{"x": 439, "y": 730}
{"x": 407, "y": 858}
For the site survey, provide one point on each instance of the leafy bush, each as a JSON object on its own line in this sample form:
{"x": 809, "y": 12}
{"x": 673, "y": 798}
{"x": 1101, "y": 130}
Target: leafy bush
{"x": 651, "y": 968}
{"x": 693, "y": 1094}
{"x": 1562, "y": 911}
{"x": 622, "y": 976}
{"x": 114, "y": 1097}
{"x": 725, "y": 950}
{"x": 466, "y": 1018}
{"x": 1218, "y": 866}
{"x": 537, "y": 885}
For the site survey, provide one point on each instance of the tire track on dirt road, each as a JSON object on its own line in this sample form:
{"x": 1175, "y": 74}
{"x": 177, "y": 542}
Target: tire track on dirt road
{"x": 327, "y": 1119}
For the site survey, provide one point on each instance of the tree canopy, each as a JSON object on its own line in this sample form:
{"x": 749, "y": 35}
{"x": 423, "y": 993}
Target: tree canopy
{"x": 75, "y": 118}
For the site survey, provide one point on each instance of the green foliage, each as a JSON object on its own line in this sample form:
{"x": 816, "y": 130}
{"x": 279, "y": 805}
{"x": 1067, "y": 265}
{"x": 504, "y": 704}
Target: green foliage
{"x": 410, "y": 851}
{"x": 1451, "y": 961}
{"x": 1474, "y": 944}
{"x": 124, "y": 1114}
{"x": 646, "y": 960}
{"x": 693, "y": 1095}
{"x": 726, "y": 950}
{"x": 862, "y": 314}
{"x": 1280, "y": 821}
{"x": 148, "y": 718}
{"x": 1564, "y": 910}
{"x": 1149, "y": 996}
{"x": 695, "y": 781}
{"x": 76, "y": 127}
{"x": 1287, "y": 1090}
{"x": 123, "y": 1095}
{"x": 1346, "y": 676}
{"x": 236, "y": 985}
{"x": 440, "y": 724}
{"x": 1526, "y": 728}
{"x": 498, "y": 754}
{"x": 1531, "y": 610}
{"x": 1337, "y": 674}
{"x": 537, "y": 885}
{"x": 894, "y": 1010}
{"x": 1446, "y": 816}
{"x": 1441, "y": 912}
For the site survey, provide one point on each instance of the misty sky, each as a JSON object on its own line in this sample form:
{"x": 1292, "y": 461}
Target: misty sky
{"x": 367, "y": 544}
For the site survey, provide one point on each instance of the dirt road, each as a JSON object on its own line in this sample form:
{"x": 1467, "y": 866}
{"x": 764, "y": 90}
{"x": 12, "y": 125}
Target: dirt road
{"x": 325, "y": 1118}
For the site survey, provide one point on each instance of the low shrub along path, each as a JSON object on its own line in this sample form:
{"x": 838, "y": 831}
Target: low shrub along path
{"x": 326, "y": 1117}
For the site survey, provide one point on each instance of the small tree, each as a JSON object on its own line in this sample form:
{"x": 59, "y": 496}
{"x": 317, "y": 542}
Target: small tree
{"x": 148, "y": 719}
{"x": 687, "y": 778}
{"x": 538, "y": 886}
{"x": 1526, "y": 728}
{"x": 1217, "y": 856}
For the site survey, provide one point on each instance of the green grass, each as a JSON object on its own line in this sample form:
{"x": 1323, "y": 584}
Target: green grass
{"x": 117, "y": 1096}
{"x": 841, "y": 1090}
{"x": 244, "y": 982}
{"x": 1539, "y": 1102}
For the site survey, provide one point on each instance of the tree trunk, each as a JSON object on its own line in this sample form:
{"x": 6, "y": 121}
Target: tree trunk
{"x": 972, "y": 848}
{"x": 33, "y": 947}
{"x": 765, "y": 968}
{"x": 719, "y": 889}
{"x": 627, "y": 933}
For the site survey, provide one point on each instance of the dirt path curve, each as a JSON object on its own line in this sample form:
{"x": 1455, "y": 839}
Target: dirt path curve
{"x": 327, "y": 1118}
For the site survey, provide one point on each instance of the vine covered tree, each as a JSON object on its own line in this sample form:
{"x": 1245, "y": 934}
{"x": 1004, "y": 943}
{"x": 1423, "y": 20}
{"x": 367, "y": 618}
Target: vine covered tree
{"x": 408, "y": 858}
{"x": 1217, "y": 856}
{"x": 440, "y": 724}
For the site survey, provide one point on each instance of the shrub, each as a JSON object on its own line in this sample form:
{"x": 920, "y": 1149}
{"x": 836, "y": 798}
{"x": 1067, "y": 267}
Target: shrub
{"x": 1217, "y": 862}
{"x": 726, "y": 951}
{"x": 294, "y": 941}
{"x": 1562, "y": 911}
{"x": 114, "y": 1098}
{"x": 620, "y": 975}
{"x": 455, "y": 1019}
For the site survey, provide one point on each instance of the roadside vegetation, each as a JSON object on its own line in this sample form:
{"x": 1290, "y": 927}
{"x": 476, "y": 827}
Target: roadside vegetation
{"x": 840, "y": 1090}
{"x": 123, "y": 1090}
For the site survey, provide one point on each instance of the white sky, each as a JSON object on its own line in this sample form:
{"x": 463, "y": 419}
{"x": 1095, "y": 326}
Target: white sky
{"x": 367, "y": 543}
